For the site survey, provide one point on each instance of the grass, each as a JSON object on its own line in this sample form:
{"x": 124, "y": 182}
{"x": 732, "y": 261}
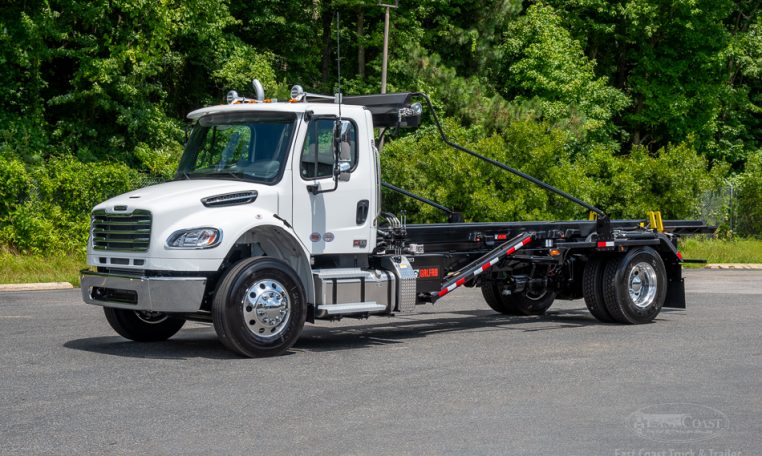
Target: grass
{"x": 16, "y": 268}
{"x": 722, "y": 251}
{"x": 33, "y": 268}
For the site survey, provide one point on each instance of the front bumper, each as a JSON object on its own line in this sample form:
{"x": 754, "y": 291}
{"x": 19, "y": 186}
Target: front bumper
{"x": 159, "y": 294}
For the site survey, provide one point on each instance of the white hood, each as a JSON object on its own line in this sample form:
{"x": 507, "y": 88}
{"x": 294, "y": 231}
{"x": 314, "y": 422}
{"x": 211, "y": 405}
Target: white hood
{"x": 177, "y": 205}
{"x": 182, "y": 193}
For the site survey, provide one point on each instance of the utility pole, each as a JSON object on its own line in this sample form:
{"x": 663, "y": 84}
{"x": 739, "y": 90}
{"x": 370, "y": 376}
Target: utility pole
{"x": 386, "y": 43}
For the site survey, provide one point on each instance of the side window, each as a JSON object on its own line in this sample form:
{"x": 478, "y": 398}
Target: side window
{"x": 317, "y": 153}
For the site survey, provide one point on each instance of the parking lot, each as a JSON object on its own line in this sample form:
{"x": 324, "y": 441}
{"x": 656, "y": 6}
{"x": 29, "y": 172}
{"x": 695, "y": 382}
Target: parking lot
{"x": 454, "y": 379}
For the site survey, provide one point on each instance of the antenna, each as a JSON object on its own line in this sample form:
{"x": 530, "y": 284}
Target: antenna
{"x": 337, "y": 168}
{"x": 338, "y": 58}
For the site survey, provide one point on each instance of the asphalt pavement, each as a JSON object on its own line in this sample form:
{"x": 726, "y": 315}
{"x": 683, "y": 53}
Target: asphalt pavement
{"x": 456, "y": 379}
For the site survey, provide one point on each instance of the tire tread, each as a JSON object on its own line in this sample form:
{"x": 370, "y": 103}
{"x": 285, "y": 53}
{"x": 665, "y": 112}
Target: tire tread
{"x": 127, "y": 325}
{"x": 592, "y": 289}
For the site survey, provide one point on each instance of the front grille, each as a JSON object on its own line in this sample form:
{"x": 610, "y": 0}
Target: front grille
{"x": 121, "y": 232}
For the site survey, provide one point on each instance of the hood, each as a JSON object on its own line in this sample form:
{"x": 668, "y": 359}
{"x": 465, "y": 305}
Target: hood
{"x": 184, "y": 194}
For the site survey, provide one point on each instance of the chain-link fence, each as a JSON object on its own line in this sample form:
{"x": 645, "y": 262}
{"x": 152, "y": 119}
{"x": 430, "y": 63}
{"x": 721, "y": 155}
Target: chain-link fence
{"x": 718, "y": 206}
{"x": 735, "y": 207}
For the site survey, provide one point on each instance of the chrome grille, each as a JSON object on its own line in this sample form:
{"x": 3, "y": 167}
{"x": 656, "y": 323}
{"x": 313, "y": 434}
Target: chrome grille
{"x": 121, "y": 232}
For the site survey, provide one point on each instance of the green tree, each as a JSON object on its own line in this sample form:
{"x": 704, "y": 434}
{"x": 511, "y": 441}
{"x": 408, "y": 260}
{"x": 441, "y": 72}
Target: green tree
{"x": 689, "y": 68}
{"x": 542, "y": 64}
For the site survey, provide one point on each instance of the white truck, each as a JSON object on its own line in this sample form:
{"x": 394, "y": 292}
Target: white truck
{"x": 275, "y": 218}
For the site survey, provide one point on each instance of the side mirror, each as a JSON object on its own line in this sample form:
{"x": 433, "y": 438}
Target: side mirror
{"x": 343, "y": 151}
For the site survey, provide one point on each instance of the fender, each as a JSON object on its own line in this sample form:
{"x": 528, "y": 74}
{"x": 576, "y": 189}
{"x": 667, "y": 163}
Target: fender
{"x": 275, "y": 239}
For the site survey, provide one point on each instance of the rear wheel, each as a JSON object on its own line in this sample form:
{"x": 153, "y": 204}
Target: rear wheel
{"x": 592, "y": 289}
{"x": 143, "y": 325}
{"x": 528, "y": 302}
{"x": 259, "y": 308}
{"x": 635, "y": 286}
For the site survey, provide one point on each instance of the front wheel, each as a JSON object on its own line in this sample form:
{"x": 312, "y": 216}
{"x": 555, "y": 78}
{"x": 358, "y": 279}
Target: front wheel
{"x": 259, "y": 308}
{"x": 635, "y": 286}
{"x": 143, "y": 325}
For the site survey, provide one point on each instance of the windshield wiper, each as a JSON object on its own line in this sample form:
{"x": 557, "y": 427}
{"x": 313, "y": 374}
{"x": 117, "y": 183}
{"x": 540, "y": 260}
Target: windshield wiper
{"x": 237, "y": 175}
{"x": 217, "y": 175}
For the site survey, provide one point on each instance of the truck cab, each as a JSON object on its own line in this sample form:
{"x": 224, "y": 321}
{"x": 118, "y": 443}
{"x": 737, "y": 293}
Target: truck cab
{"x": 295, "y": 183}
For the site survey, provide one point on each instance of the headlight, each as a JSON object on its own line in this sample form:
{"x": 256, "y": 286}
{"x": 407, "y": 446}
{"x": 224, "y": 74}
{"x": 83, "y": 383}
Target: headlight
{"x": 196, "y": 238}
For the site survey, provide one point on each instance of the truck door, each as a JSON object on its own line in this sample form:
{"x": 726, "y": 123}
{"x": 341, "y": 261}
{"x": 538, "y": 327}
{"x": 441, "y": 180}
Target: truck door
{"x": 341, "y": 221}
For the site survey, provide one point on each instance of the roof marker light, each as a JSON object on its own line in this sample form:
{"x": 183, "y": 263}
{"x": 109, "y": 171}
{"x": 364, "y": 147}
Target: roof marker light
{"x": 297, "y": 93}
{"x": 232, "y": 97}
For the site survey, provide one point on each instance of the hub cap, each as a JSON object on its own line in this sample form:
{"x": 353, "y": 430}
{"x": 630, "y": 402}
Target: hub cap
{"x": 150, "y": 317}
{"x": 642, "y": 284}
{"x": 266, "y": 308}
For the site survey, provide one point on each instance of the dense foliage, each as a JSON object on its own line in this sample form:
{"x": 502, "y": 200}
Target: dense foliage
{"x": 631, "y": 104}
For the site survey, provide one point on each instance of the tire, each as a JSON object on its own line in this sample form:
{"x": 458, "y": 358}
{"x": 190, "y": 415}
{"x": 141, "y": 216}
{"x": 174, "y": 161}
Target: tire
{"x": 143, "y": 326}
{"x": 524, "y": 303}
{"x": 259, "y": 308}
{"x": 635, "y": 286}
{"x": 592, "y": 289}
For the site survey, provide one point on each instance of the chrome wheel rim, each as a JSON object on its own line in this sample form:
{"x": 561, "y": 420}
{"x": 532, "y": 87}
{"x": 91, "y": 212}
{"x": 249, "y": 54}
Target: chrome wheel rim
{"x": 266, "y": 308}
{"x": 151, "y": 317}
{"x": 642, "y": 284}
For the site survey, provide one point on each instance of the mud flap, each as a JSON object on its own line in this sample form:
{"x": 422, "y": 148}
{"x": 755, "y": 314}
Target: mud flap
{"x": 675, "y": 287}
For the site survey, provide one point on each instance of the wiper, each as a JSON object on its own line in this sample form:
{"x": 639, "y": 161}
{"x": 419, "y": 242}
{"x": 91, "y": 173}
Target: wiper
{"x": 217, "y": 175}
{"x": 183, "y": 174}
{"x": 237, "y": 175}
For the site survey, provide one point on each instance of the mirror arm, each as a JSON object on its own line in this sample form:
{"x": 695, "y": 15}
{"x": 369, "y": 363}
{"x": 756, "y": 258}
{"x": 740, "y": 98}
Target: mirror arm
{"x": 337, "y": 168}
{"x": 315, "y": 188}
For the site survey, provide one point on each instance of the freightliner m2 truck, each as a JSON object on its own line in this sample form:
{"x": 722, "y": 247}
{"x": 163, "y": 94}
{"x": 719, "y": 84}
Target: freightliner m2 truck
{"x": 275, "y": 219}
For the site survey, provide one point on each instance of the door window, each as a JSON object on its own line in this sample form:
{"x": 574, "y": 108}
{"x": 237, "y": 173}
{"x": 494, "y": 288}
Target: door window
{"x": 317, "y": 153}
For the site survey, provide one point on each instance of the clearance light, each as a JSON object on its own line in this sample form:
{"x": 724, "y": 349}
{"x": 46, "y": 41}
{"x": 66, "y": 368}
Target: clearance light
{"x": 555, "y": 252}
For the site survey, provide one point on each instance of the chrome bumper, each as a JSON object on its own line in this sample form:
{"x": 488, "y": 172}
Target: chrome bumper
{"x": 160, "y": 294}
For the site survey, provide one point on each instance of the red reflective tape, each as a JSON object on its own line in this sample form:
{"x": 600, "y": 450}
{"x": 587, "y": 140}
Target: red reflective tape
{"x": 679, "y": 255}
{"x": 526, "y": 241}
{"x": 460, "y": 282}
{"x": 510, "y": 251}
{"x": 486, "y": 266}
{"x": 443, "y": 292}
{"x": 603, "y": 244}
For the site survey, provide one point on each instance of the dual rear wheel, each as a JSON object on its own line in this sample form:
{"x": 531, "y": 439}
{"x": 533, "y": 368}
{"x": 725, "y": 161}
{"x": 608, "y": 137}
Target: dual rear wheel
{"x": 629, "y": 288}
{"x": 527, "y": 302}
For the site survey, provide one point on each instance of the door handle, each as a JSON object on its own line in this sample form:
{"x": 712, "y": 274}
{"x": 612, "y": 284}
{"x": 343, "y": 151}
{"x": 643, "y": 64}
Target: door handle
{"x": 362, "y": 211}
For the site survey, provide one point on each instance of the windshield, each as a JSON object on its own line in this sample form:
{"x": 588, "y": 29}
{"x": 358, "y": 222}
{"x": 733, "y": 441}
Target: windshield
{"x": 249, "y": 146}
